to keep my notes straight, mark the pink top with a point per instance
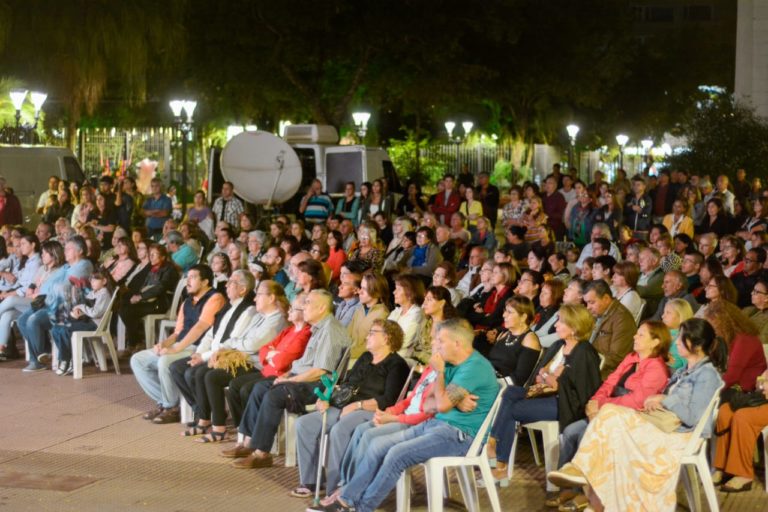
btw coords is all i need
(650, 378)
(400, 407)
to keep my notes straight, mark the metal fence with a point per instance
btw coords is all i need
(123, 148)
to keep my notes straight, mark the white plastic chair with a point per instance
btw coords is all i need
(150, 320)
(103, 335)
(695, 459)
(434, 470)
(550, 436)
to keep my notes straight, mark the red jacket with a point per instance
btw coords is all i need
(10, 213)
(399, 408)
(650, 378)
(444, 209)
(289, 344)
(746, 360)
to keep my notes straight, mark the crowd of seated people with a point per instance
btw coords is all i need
(642, 313)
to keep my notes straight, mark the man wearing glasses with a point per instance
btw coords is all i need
(690, 266)
(745, 280)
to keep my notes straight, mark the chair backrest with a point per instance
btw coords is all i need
(177, 297)
(104, 323)
(478, 444)
(343, 366)
(710, 414)
(640, 311)
(407, 384)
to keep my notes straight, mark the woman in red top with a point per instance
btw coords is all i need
(490, 314)
(641, 374)
(746, 358)
(336, 254)
(275, 358)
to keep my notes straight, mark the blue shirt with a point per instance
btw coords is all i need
(478, 377)
(185, 258)
(162, 203)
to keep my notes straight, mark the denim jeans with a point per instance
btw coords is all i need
(362, 437)
(570, 441)
(154, 375)
(10, 309)
(34, 326)
(62, 336)
(516, 408)
(308, 437)
(388, 456)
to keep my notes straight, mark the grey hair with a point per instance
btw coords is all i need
(460, 329)
(604, 229)
(326, 296)
(258, 235)
(246, 279)
(174, 237)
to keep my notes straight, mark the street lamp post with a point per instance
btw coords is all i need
(185, 126)
(647, 144)
(621, 140)
(456, 141)
(361, 124)
(572, 130)
(18, 96)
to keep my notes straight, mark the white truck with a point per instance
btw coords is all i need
(267, 170)
(27, 169)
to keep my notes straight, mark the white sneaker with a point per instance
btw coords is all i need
(63, 368)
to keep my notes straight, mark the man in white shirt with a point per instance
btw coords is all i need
(53, 188)
(238, 326)
(471, 278)
(599, 230)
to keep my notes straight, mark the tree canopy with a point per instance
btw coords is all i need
(522, 68)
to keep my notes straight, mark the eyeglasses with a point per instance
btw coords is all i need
(295, 309)
(376, 331)
(750, 260)
(315, 251)
(758, 292)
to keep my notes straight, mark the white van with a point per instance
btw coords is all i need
(27, 170)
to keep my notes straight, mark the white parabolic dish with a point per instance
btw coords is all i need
(263, 167)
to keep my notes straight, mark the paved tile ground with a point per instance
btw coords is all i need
(88, 436)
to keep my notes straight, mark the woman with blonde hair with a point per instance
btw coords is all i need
(566, 377)
(535, 221)
(676, 311)
(367, 251)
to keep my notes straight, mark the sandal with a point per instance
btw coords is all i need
(579, 502)
(213, 437)
(196, 430)
(302, 492)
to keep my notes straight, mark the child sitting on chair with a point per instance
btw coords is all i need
(83, 317)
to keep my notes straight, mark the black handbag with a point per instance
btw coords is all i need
(739, 399)
(343, 395)
(38, 303)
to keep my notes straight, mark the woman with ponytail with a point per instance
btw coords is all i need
(631, 459)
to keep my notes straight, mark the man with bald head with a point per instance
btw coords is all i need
(271, 397)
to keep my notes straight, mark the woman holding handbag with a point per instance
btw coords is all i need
(373, 383)
(630, 459)
(563, 382)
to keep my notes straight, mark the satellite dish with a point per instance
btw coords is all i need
(264, 168)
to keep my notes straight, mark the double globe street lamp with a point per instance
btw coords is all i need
(18, 96)
(183, 112)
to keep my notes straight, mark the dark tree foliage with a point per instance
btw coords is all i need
(724, 136)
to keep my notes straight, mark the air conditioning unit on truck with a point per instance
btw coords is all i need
(269, 171)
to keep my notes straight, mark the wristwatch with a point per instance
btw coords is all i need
(360, 405)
